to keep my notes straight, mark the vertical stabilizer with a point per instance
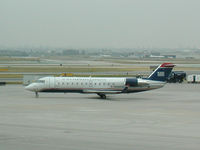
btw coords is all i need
(162, 72)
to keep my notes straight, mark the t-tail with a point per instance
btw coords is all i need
(162, 72)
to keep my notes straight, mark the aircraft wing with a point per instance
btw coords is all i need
(101, 91)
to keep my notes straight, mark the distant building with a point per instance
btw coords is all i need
(169, 56)
(155, 56)
(189, 57)
(155, 53)
(70, 52)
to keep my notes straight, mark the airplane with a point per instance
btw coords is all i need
(102, 85)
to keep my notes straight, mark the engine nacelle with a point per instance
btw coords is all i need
(131, 82)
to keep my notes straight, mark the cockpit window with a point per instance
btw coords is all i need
(40, 81)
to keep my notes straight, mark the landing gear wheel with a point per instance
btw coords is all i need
(103, 96)
(36, 95)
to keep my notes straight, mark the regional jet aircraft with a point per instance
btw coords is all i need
(102, 86)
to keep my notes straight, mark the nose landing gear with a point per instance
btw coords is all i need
(36, 95)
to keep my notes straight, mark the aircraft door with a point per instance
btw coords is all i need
(51, 82)
(47, 83)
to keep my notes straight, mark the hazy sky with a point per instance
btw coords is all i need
(100, 23)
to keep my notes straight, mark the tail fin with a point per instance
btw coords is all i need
(162, 72)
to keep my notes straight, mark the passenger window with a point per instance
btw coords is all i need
(40, 81)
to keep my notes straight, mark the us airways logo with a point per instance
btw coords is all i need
(161, 74)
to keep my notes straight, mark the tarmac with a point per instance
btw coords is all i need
(166, 118)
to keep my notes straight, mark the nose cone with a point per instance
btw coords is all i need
(30, 87)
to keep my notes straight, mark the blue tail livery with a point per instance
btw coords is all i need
(162, 72)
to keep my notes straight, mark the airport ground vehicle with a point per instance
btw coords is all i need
(2, 83)
(176, 76)
(102, 86)
(193, 78)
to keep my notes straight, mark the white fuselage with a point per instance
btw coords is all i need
(92, 85)
(103, 86)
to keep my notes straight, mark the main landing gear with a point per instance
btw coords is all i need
(36, 95)
(103, 96)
